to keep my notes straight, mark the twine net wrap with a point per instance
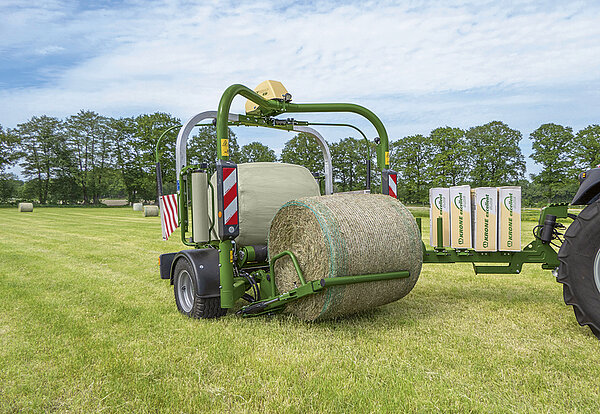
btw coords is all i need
(345, 235)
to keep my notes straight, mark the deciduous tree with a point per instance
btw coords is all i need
(303, 150)
(127, 154)
(88, 136)
(256, 152)
(450, 156)
(203, 147)
(411, 157)
(42, 141)
(349, 159)
(495, 155)
(586, 151)
(8, 149)
(552, 149)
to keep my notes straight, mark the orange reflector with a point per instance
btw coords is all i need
(220, 214)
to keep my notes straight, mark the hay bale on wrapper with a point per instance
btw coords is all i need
(345, 235)
(25, 207)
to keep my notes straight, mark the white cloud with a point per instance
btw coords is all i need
(415, 64)
(49, 50)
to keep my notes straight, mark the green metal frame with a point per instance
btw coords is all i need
(534, 252)
(269, 108)
(244, 120)
(275, 107)
(233, 286)
(275, 302)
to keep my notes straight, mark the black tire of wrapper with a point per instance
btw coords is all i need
(202, 308)
(576, 271)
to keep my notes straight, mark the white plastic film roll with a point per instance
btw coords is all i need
(151, 211)
(200, 223)
(25, 207)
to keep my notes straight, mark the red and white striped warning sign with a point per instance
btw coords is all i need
(230, 201)
(392, 179)
(168, 215)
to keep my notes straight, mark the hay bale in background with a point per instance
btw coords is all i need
(150, 211)
(345, 235)
(114, 203)
(25, 207)
(138, 207)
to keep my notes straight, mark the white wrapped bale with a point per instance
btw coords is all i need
(263, 187)
(25, 207)
(138, 207)
(345, 235)
(150, 211)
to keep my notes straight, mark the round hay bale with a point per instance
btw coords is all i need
(138, 207)
(345, 235)
(150, 211)
(25, 207)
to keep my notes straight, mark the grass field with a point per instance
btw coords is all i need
(86, 325)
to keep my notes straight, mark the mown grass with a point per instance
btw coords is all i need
(86, 325)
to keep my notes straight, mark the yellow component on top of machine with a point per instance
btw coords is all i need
(269, 89)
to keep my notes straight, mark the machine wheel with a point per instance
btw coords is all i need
(579, 269)
(188, 302)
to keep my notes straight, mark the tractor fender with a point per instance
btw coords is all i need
(205, 264)
(589, 187)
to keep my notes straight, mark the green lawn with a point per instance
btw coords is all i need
(86, 325)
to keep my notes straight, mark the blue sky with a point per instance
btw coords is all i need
(417, 64)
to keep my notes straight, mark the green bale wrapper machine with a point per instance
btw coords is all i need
(225, 221)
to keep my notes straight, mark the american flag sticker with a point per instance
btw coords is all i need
(169, 218)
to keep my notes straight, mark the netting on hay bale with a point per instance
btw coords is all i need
(345, 235)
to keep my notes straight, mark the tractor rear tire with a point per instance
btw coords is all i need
(188, 302)
(579, 269)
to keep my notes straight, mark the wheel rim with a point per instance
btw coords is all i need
(185, 291)
(597, 271)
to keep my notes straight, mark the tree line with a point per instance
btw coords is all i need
(87, 157)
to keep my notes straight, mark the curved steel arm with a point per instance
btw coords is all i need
(156, 154)
(274, 106)
(326, 155)
(184, 132)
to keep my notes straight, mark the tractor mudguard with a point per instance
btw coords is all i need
(589, 187)
(165, 261)
(205, 264)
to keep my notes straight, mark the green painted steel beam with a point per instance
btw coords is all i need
(534, 252)
(239, 288)
(349, 280)
(226, 273)
(274, 107)
(294, 262)
(275, 304)
(560, 210)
